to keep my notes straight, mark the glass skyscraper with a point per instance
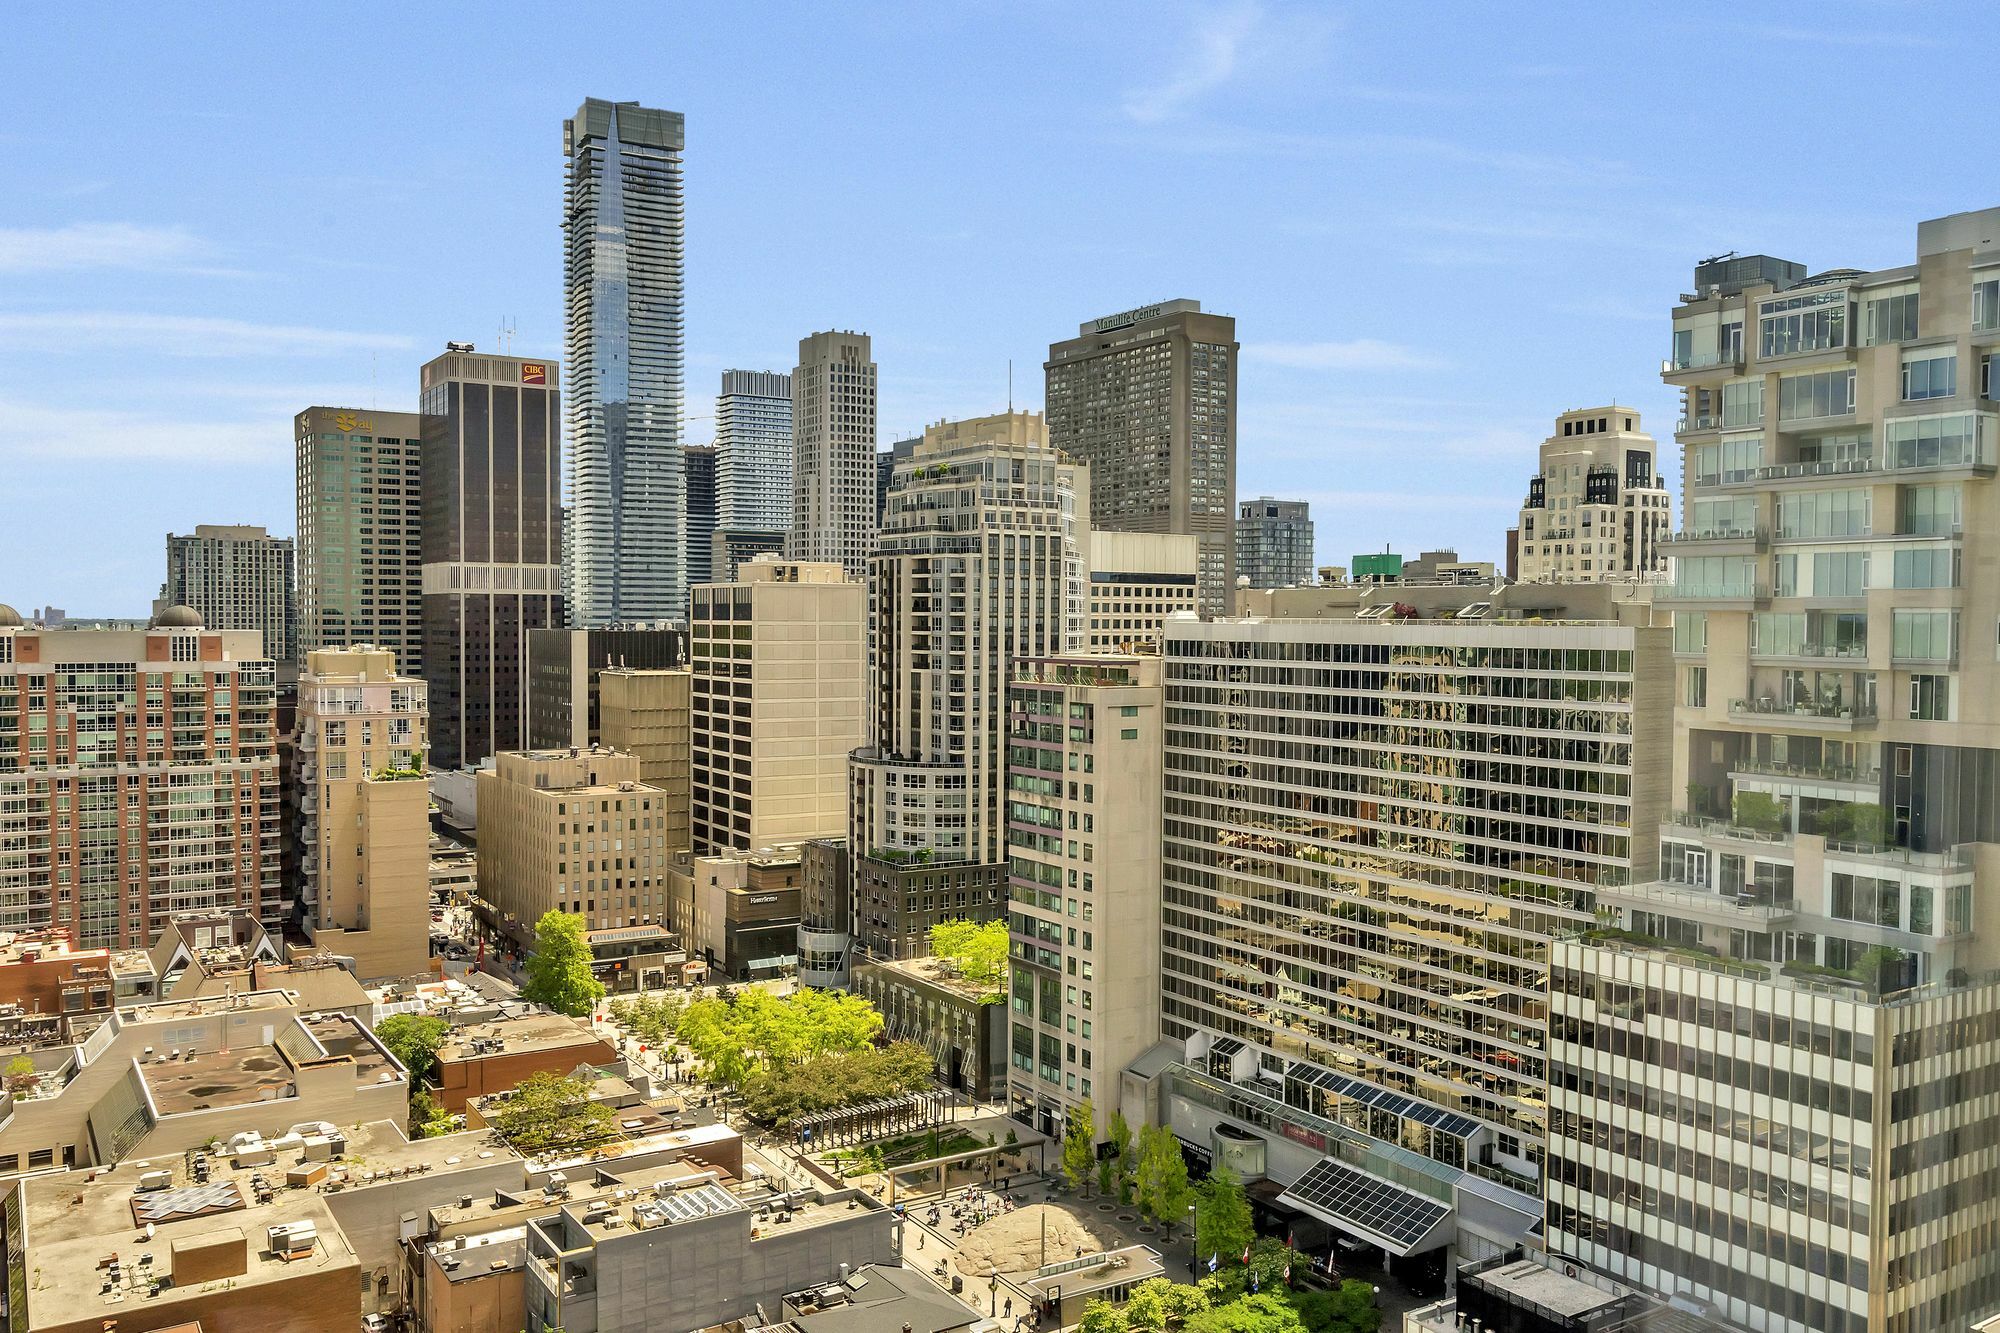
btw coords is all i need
(623, 271)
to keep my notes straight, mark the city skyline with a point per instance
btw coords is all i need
(259, 274)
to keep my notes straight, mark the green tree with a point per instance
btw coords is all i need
(1123, 1148)
(20, 1074)
(1348, 1308)
(1265, 1312)
(979, 950)
(1078, 1149)
(1222, 1217)
(414, 1040)
(1162, 1190)
(1102, 1317)
(427, 1118)
(549, 1113)
(1158, 1305)
(1758, 810)
(559, 974)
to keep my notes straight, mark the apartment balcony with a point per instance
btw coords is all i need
(1818, 716)
(1835, 775)
(1718, 541)
(1697, 425)
(1742, 596)
(1711, 830)
(1702, 367)
(1779, 474)
(1695, 902)
(1856, 653)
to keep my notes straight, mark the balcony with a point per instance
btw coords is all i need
(1816, 652)
(1714, 594)
(1835, 774)
(1741, 911)
(1711, 829)
(1701, 425)
(1698, 365)
(1818, 715)
(1719, 541)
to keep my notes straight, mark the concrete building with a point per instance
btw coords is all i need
(886, 459)
(1373, 829)
(1806, 987)
(138, 778)
(622, 273)
(1147, 397)
(1274, 542)
(1598, 507)
(698, 466)
(496, 1055)
(826, 912)
(571, 831)
(833, 452)
(236, 577)
(734, 548)
(647, 714)
(1138, 580)
(564, 666)
(960, 1022)
(358, 481)
(492, 544)
(1083, 871)
(779, 676)
(743, 912)
(360, 811)
(753, 453)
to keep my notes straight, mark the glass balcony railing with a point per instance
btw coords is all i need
(1700, 360)
(1820, 708)
(1713, 592)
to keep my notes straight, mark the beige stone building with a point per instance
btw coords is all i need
(743, 912)
(779, 674)
(360, 810)
(646, 713)
(572, 831)
(1085, 879)
(833, 451)
(1138, 580)
(1598, 508)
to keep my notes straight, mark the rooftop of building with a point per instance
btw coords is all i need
(1488, 601)
(942, 973)
(515, 1034)
(484, 1254)
(179, 1082)
(876, 1297)
(666, 1197)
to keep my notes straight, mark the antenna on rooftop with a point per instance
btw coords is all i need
(506, 334)
(1010, 386)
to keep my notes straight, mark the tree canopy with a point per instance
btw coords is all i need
(414, 1040)
(549, 1113)
(778, 1094)
(559, 974)
(1222, 1220)
(1265, 1312)
(1160, 1180)
(1079, 1144)
(980, 951)
(761, 1031)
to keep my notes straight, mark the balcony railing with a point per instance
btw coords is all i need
(1722, 828)
(1825, 467)
(1845, 773)
(1750, 534)
(1803, 708)
(1712, 592)
(1700, 361)
(1690, 425)
(1844, 651)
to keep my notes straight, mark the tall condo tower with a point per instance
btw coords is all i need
(753, 450)
(833, 452)
(1147, 397)
(622, 268)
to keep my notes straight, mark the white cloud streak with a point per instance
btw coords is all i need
(98, 245)
(31, 432)
(1217, 42)
(1353, 354)
(74, 331)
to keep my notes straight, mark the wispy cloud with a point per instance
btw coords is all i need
(100, 245)
(1216, 47)
(35, 431)
(1353, 354)
(181, 335)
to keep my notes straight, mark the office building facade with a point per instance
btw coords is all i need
(1274, 542)
(1147, 397)
(623, 274)
(645, 713)
(833, 452)
(753, 451)
(358, 479)
(138, 778)
(1083, 832)
(236, 577)
(492, 544)
(360, 811)
(564, 667)
(1137, 581)
(698, 469)
(777, 700)
(1597, 510)
(1804, 992)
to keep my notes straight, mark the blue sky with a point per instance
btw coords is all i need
(1437, 225)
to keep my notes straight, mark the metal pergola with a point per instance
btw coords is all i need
(872, 1120)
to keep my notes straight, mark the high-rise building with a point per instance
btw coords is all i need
(1147, 397)
(1598, 508)
(1274, 542)
(564, 666)
(645, 713)
(1373, 829)
(1138, 580)
(492, 544)
(753, 451)
(1772, 1092)
(236, 577)
(358, 478)
(138, 778)
(538, 809)
(622, 269)
(780, 675)
(698, 470)
(1084, 872)
(733, 548)
(886, 459)
(360, 811)
(833, 452)
(980, 563)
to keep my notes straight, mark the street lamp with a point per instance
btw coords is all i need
(1194, 1239)
(993, 1294)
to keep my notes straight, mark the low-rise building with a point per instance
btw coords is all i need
(962, 1023)
(496, 1055)
(744, 912)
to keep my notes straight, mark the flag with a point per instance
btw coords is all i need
(1286, 1276)
(1253, 1281)
(1211, 1262)
(1246, 1254)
